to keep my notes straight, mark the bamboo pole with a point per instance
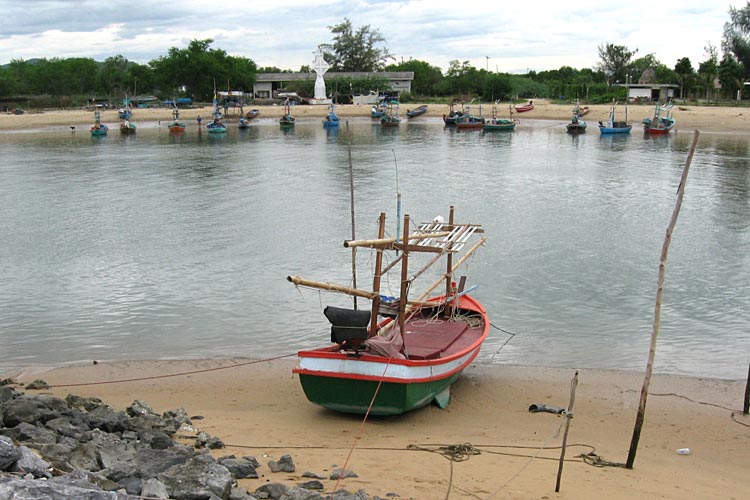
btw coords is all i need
(404, 279)
(458, 264)
(449, 265)
(568, 418)
(376, 279)
(657, 308)
(384, 242)
(351, 192)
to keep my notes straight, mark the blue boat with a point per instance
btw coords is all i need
(331, 119)
(612, 126)
(217, 126)
(98, 129)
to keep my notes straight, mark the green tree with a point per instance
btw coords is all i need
(197, 68)
(731, 76)
(497, 86)
(685, 72)
(426, 76)
(113, 74)
(708, 70)
(736, 39)
(355, 50)
(614, 61)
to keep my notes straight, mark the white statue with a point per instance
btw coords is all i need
(320, 66)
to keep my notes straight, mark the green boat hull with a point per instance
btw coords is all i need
(354, 396)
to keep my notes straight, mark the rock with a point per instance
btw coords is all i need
(132, 484)
(301, 494)
(240, 468)
(29, 433)
(26, 410)
(342, 474)
(150, 463)
(312, 485)
(240, 494)
(37, 385)
(30, 463)
(58, 455)
(205, 440)
(8, 453)
(6, 393)
(153, 488)
(85, 457)
(160, 441)
(345, 495)
(312, 475)
(285, 464)
(140, 408)
(59, 488)
(106, 419)
(274, 491)
(81, 403)
(73, 426)
(197, 479)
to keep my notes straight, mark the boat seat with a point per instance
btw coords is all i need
(347, 325)
(429, 340)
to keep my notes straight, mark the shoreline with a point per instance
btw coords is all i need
(259, 409)
(705, 118)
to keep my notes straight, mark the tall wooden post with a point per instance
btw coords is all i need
(404, 276)
(376, 278)
(351, 195)
(657, 307)
(746, 407)
(568, 416)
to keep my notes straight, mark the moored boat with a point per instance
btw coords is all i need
(467, 121)
(98, 129)
(217, 126)
(377, 111)
(453, 115)
(525, 107)
(576, 125)
(127, 127)
(411, 357)
(413, 113)
(496, 124)
(176, 126)
(253, 113)
(612, 126)
(287, 120)
(331, 119)
(243, 123)
(391, 118)
(660, 124)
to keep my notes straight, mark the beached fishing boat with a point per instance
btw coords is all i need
(612, 126)
(98, 129)
(331, 119)
(252, 114)
(287, 120)
(453, 115)
(525, 107)
(377, 112)
(176, 125)
(467, 121)
(583, 110)
(127, 127)
(413, 113)
(576, 125)
(404, 353)
(391, 118)
(660, 124)
(496, 124)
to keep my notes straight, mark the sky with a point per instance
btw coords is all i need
(504, 36)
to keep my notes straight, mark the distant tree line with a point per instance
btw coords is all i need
(196, 70)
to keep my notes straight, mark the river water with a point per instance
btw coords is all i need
(155, 246)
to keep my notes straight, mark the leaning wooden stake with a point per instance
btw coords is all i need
(568, 417)
(657, 307)
(351, 194)
(746, 406)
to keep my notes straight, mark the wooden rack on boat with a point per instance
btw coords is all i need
(441, 238)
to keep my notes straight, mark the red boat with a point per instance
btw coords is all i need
(525, 107)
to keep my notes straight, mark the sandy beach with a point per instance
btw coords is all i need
(259, 409)
(704, 118)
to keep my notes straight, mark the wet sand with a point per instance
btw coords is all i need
(260, 410)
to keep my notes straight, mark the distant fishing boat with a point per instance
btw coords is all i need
(453, 115)
(496, 124)
(176, 125)
(525, 107)
(252, 114)
(127, 127)
(413, 113)
(243, 123)
(391, 118)
(377, 111)
(287, 120)
(467, 121)
(576, 125)
(98, 129)
(217, 126)
(331, 119)
(612, 126)
(660, 124)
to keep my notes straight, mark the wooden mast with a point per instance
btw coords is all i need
(449, 267)
(376, 279)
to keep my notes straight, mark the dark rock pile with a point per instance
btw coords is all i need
(52, 448)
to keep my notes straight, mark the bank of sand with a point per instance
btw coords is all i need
(260, 410)
(704, 118)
